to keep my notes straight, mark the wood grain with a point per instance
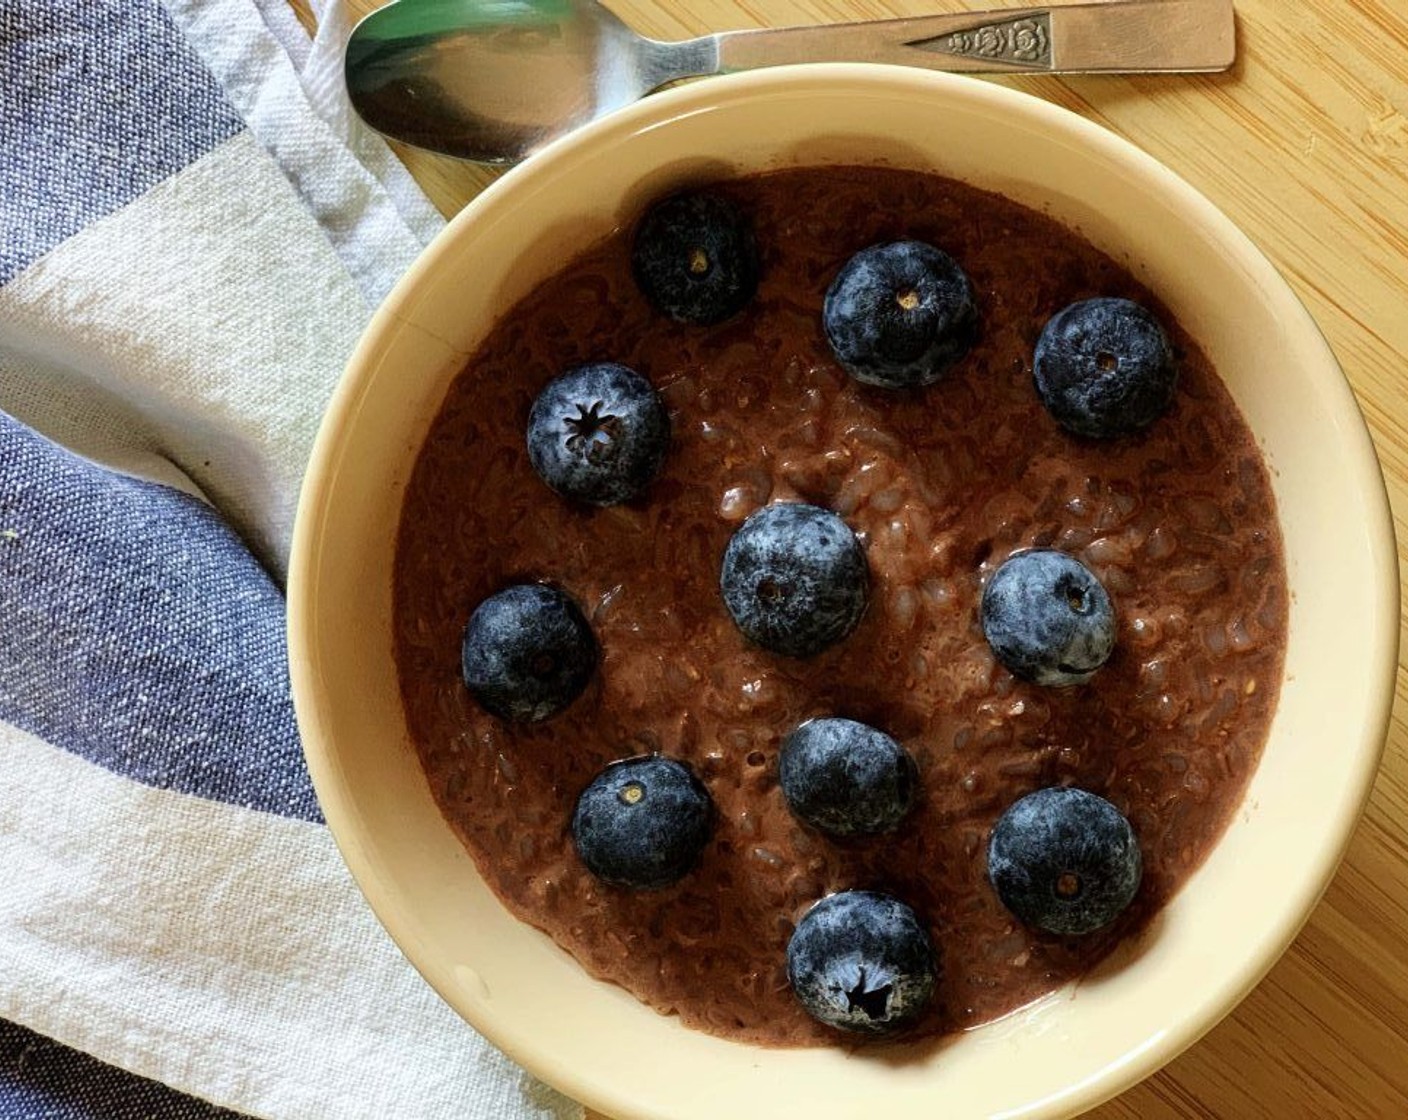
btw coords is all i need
(1305, 146)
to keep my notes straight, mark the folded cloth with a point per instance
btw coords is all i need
(192, 233)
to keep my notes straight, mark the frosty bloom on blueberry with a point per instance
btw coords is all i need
(795, 579)
(694, 258)
(845, 777)
(898, 315)
(642, 822)
(598, 433)
(1047, 618)
(1065, 861)
(1104, 368)
(861, 961)
(527, 652)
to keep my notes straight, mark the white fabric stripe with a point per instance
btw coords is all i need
(225, 953)
(375, 235)
(216, 312)
(71, 411)
(283, 24)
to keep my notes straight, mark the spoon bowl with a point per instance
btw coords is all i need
(491, 80)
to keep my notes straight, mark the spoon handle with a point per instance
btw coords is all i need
(1126, 36)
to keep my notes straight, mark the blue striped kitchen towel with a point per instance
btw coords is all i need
(192, 233)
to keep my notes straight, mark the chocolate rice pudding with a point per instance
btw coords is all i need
(941, 484)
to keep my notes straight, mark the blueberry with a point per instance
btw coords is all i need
(1104, 368)
(1064, 860)
(900, 314)
(527, 652)
(845, 777)
(642, 822)
(861, 961)
(794, 578)
(598, 433)
(1047, 618)
(694, 257)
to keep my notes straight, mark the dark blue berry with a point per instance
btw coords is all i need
(1104, 368)
(598, 433)
(900, 314)
(1047, 618)
(794, 578)
(1064, 860)
(642, 822)
(528, 652)
(861, 961)
(845, 777)
(694, 257)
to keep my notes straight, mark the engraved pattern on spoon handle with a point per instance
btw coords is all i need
(1123, 36)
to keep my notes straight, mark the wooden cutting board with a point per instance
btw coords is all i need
(1305, 145)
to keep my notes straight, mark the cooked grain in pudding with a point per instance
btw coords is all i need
(941, 484)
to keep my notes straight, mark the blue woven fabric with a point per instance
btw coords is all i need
(102, 100)
(160, 653)
(40, 1080)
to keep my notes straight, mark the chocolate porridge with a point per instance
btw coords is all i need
(941, 484)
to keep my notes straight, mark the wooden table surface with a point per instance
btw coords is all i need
(1305, 145)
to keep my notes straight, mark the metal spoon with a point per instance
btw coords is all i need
(493, 80)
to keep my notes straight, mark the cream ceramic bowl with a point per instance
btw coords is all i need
(1219, 935)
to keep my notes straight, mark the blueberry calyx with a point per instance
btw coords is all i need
(1064, 860)
(861, 961)
(598, 433)
(527, 652)
(846, 778)
(642, 822)
(794, 579)
(1047, 618)
(694, 258)
(900, 314)
(1104, 368)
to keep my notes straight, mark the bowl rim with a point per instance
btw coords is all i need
(1198, 1015)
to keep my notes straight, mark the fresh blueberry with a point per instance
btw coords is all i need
(598, 433)
(1064, 860)
(528, 652)
(861, 961)
(694, 257)
(794, 578)
(900, 314)
(845, 777)
(1047, 618)
(1104, 368)
(642, 822)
